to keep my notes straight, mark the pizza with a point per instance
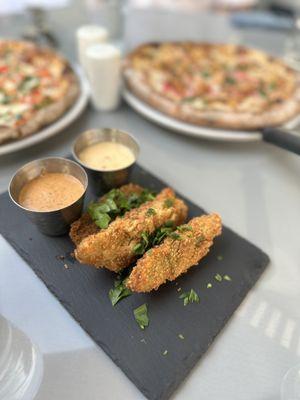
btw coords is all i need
(37, 86)
(219, 85)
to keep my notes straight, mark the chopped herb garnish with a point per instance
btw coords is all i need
(150, 212)
(168, 203)
(230, 80)
(199, 240)
(226, 278)
(181, 336)
(116, 203)
(119, 292)
(4, 98)
(189, 297)
(189, 99)
(209, 285)
(218, 277)
(262, 92)
(29, 83)
(219, 258)
(165, 353)
(141, 247)
(184, 228)
(205, 74)
(44, 103)
(141, 316)
(170, 224)
(174, 235)
(149, 240)
(102, 220)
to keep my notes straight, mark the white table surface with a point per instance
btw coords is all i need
(255, 187)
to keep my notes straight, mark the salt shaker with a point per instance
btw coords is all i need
(103, 63)
(88, 35)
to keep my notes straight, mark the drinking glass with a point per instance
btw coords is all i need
(21, 364)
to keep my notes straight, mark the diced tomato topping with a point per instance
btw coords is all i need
(33, 98)
(44, 73)
(240, 75)
(3, 69)
(168, 87)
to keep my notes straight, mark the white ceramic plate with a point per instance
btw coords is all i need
(56, 126)
(194, 130)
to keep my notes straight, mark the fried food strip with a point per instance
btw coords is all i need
(175, 256)
(85, 225)
(113, 247)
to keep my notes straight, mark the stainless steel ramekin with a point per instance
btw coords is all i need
(103, 180)
(52, 223)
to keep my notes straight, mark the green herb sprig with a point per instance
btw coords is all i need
(149, 240)
(119, 292)
(115, 204)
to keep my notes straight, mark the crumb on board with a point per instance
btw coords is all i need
(66, 266)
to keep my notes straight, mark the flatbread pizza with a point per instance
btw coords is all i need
(37, 86)
(219, 85)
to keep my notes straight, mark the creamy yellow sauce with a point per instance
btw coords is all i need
(107, 156)
(50, 191)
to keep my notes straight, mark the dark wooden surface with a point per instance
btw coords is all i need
(84, 290)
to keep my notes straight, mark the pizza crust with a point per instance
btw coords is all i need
(274, 116)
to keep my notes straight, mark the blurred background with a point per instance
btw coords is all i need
(221, 20)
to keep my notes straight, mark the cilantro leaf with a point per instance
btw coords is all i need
(141, 316)
(174, 235)
(199, 240)
(189, 297)
(168, 203)
(116, 203)
(150, 212)
(218, 278)
(119, 292)
(184, 228)
(102, 221)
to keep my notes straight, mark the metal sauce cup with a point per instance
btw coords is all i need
(52, 223)
(103, 180)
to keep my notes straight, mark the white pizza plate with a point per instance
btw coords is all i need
(56, 126)
(194, 130)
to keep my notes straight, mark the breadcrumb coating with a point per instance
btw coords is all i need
(85, 226)
(175, 256)
(112, 247)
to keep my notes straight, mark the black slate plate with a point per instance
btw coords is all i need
(84, 290)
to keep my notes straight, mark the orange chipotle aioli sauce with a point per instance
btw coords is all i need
(50, 191)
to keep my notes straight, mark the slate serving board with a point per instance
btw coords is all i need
(83, 291)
